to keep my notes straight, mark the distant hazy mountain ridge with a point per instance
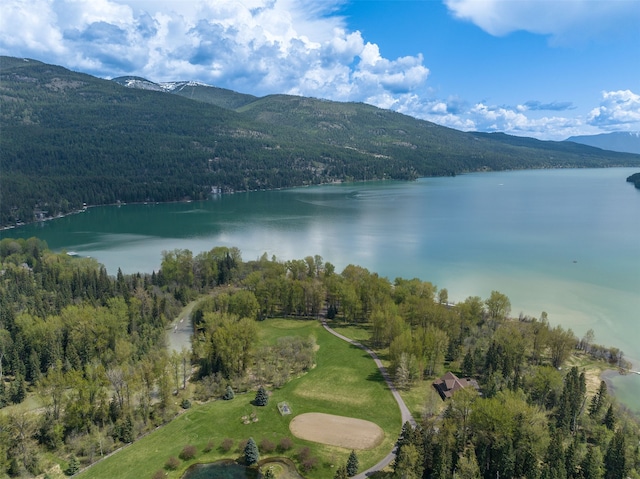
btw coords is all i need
(70, 139)
(623, 141)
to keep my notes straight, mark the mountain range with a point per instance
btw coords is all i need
(623, 141)
(70, 139)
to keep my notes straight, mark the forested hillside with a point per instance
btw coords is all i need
(84, 355)
(70, 139)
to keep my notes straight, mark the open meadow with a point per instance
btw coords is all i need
(420, 397)
(344, 382)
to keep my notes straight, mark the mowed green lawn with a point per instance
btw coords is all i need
(345, 382)
(421, 395)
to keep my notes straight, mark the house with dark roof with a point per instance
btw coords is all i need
(450, 383)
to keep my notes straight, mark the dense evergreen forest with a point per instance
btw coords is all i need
(70, 139)
(84, 354)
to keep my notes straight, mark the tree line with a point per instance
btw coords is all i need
(90, 347)
(533, 418)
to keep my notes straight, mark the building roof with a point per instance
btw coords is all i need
(450, 383)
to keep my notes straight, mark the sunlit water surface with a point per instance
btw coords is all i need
(562, 241)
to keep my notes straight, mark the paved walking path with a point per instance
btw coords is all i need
(404, 410)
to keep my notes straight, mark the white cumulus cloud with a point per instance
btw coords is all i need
(618, 109)
(564, 20)
(21, 30)
(304, 48)
(256, 46)
(516, 120)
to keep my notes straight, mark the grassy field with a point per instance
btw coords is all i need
(344, 382)
(359, 332)
(421, 393)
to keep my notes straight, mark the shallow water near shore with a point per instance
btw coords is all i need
(625, 389)
(562, 241)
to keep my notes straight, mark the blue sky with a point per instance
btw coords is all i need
(543, 68)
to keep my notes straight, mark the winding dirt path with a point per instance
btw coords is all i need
(179, 332)
(404, 410)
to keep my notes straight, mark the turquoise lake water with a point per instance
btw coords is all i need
(562, 241)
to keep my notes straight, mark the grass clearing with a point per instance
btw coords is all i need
(421, 396)
(358, 332)
(345, 382)
(32, 403)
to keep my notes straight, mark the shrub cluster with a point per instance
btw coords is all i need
(227, 444)
(267, 446)
(188, 452)
(172, 463)
(285, 444)
(307, 461)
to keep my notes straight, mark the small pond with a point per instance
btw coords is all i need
(229, 469)
(221, 470)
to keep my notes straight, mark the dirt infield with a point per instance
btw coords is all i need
(337, 430)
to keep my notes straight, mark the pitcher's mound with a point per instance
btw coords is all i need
(340, 431)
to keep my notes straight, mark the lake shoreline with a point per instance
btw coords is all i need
(554, 240)
(332, 182)
(596, 371)
(630, 403)
(169, 202)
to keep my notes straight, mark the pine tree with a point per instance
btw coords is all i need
(251, 453)
(521, 446)
(614, 460)
(262, 398)
(505, 457)
(408, 463)
(18, 389)
(591, 465)
(572, 399)
(554, 459)
(468, 366)
(74, 466)
(341, 473)
(352, 464)
(406, 434)
(229, 394)
(598, 400)
(571, 461)
(467, 467)
(124, 429)
(610, 418)
(492, 359)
